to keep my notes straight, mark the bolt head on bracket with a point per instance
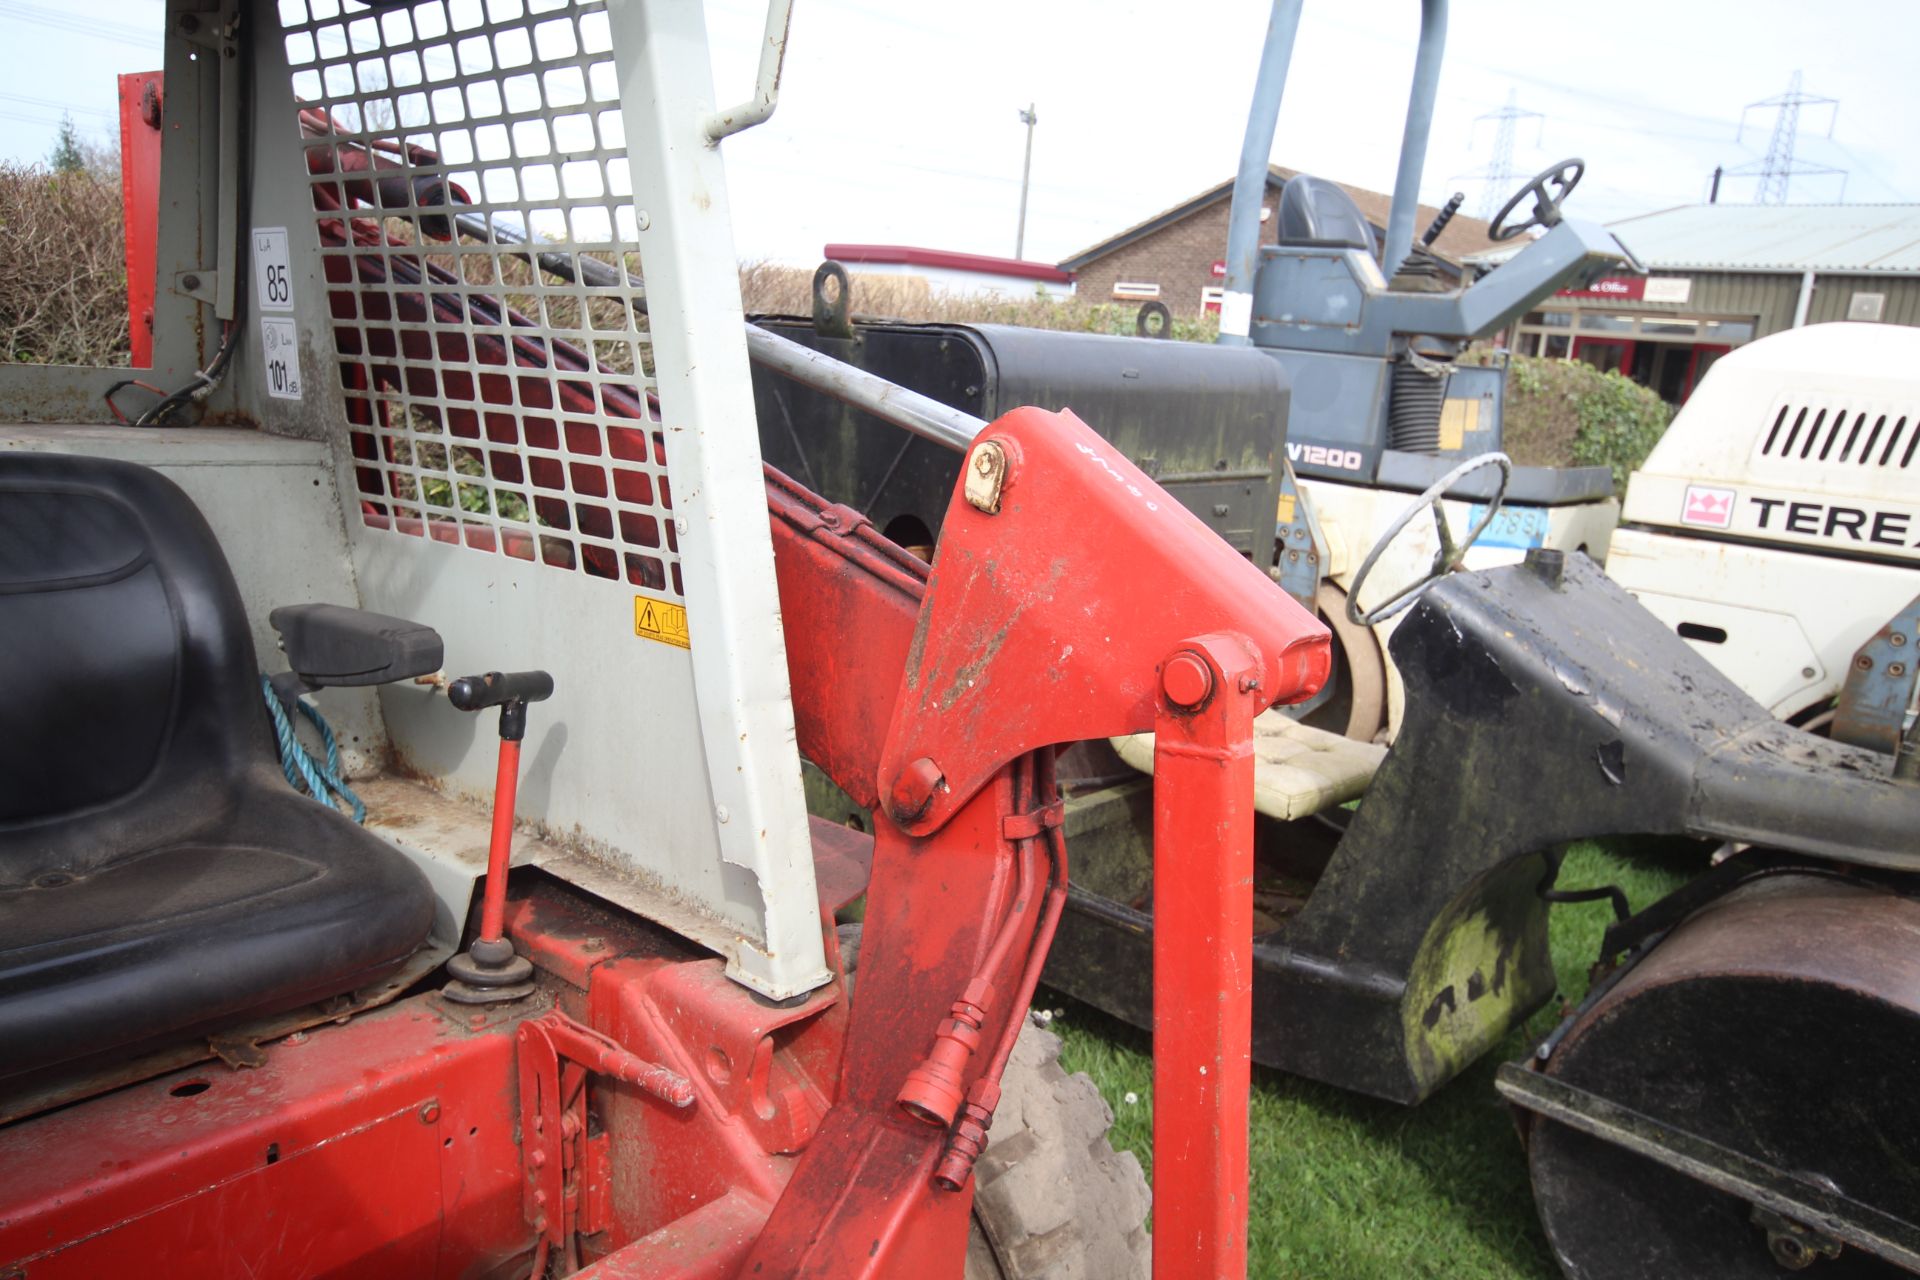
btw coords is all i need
(1187, 680)
(986, 476)
(913, 790)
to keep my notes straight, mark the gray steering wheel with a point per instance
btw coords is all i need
(1563, 177)
(1450, 554)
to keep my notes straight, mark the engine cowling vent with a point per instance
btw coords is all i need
(1836, 433)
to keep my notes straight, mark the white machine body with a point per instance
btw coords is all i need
(1776, 526)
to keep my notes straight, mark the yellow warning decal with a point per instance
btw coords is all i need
(661, 620)
(1286, 508)
(1457, 418)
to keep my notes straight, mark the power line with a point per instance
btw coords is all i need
(1861, 163)
(21, 117)
(1777, 168)
(51, 105)
(75, 24)
(1498, 175)
(1553, 84)
(1613, 126)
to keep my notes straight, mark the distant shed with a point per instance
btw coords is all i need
(1720, 275)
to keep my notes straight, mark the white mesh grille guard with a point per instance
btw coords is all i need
(548, 465)
(495, 403)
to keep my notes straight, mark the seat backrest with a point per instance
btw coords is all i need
(133, 705)
(1314, 211)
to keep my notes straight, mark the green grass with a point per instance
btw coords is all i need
(1347, 1188)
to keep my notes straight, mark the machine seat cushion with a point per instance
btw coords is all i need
(158, 878)
(287, 904)
(1297, 770)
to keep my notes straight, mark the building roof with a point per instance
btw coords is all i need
(979, 263)
(1864, 238)
(1463, 235)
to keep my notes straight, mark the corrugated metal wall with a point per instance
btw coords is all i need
(1735, 295)
(1831, 295)
(1772, 298)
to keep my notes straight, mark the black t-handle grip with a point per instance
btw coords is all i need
(510, 691)
(497, 688)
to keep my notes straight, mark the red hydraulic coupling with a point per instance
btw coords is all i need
(932, 1092)
(969, 1136)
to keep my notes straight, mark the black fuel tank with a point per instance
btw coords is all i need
(1207, 422)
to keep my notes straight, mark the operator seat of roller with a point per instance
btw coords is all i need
(1315, 212)
(159, 879)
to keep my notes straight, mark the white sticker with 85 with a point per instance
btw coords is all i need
(272, 273)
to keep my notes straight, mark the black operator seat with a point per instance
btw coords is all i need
(158, 877)
(1317, 213)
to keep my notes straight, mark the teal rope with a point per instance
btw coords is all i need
(320, 780)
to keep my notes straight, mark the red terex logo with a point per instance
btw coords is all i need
(1708, 506)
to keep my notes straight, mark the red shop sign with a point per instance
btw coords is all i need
(1634, 287)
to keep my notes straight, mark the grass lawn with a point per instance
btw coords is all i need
(1347, 1187)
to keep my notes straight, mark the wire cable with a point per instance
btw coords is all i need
(205, 380)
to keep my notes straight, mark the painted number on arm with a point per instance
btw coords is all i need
(280, 356)
(273, 278)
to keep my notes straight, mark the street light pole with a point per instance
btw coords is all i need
(1030, 119)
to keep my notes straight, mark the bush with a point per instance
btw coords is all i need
(1562, 413)
(63, 291)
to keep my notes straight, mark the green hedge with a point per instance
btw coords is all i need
(1563, 413)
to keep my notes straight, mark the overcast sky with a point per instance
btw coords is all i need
(899, 123)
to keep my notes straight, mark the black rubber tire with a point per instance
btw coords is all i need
(1052, 1199)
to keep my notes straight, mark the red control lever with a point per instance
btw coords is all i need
(489, 970)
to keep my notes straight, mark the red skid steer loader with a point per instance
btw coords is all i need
(542, 977)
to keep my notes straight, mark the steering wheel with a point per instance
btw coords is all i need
(1564, 177)
(1450, 554)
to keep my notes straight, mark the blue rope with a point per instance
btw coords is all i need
(320, 780)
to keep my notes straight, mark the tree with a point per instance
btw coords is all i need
(69, 156)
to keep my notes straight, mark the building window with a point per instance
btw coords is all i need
(1618, 323)
(1866, 306)
(1662, 350)
(1134, 290)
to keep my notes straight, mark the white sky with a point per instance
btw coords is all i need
(899, 123)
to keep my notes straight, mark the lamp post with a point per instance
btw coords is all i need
(1030, 119)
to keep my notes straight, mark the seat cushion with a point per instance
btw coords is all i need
(1297, 770)
(285, 903)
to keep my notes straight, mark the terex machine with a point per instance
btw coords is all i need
(1776, 526)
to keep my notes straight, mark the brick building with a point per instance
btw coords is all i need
(1170, 256)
